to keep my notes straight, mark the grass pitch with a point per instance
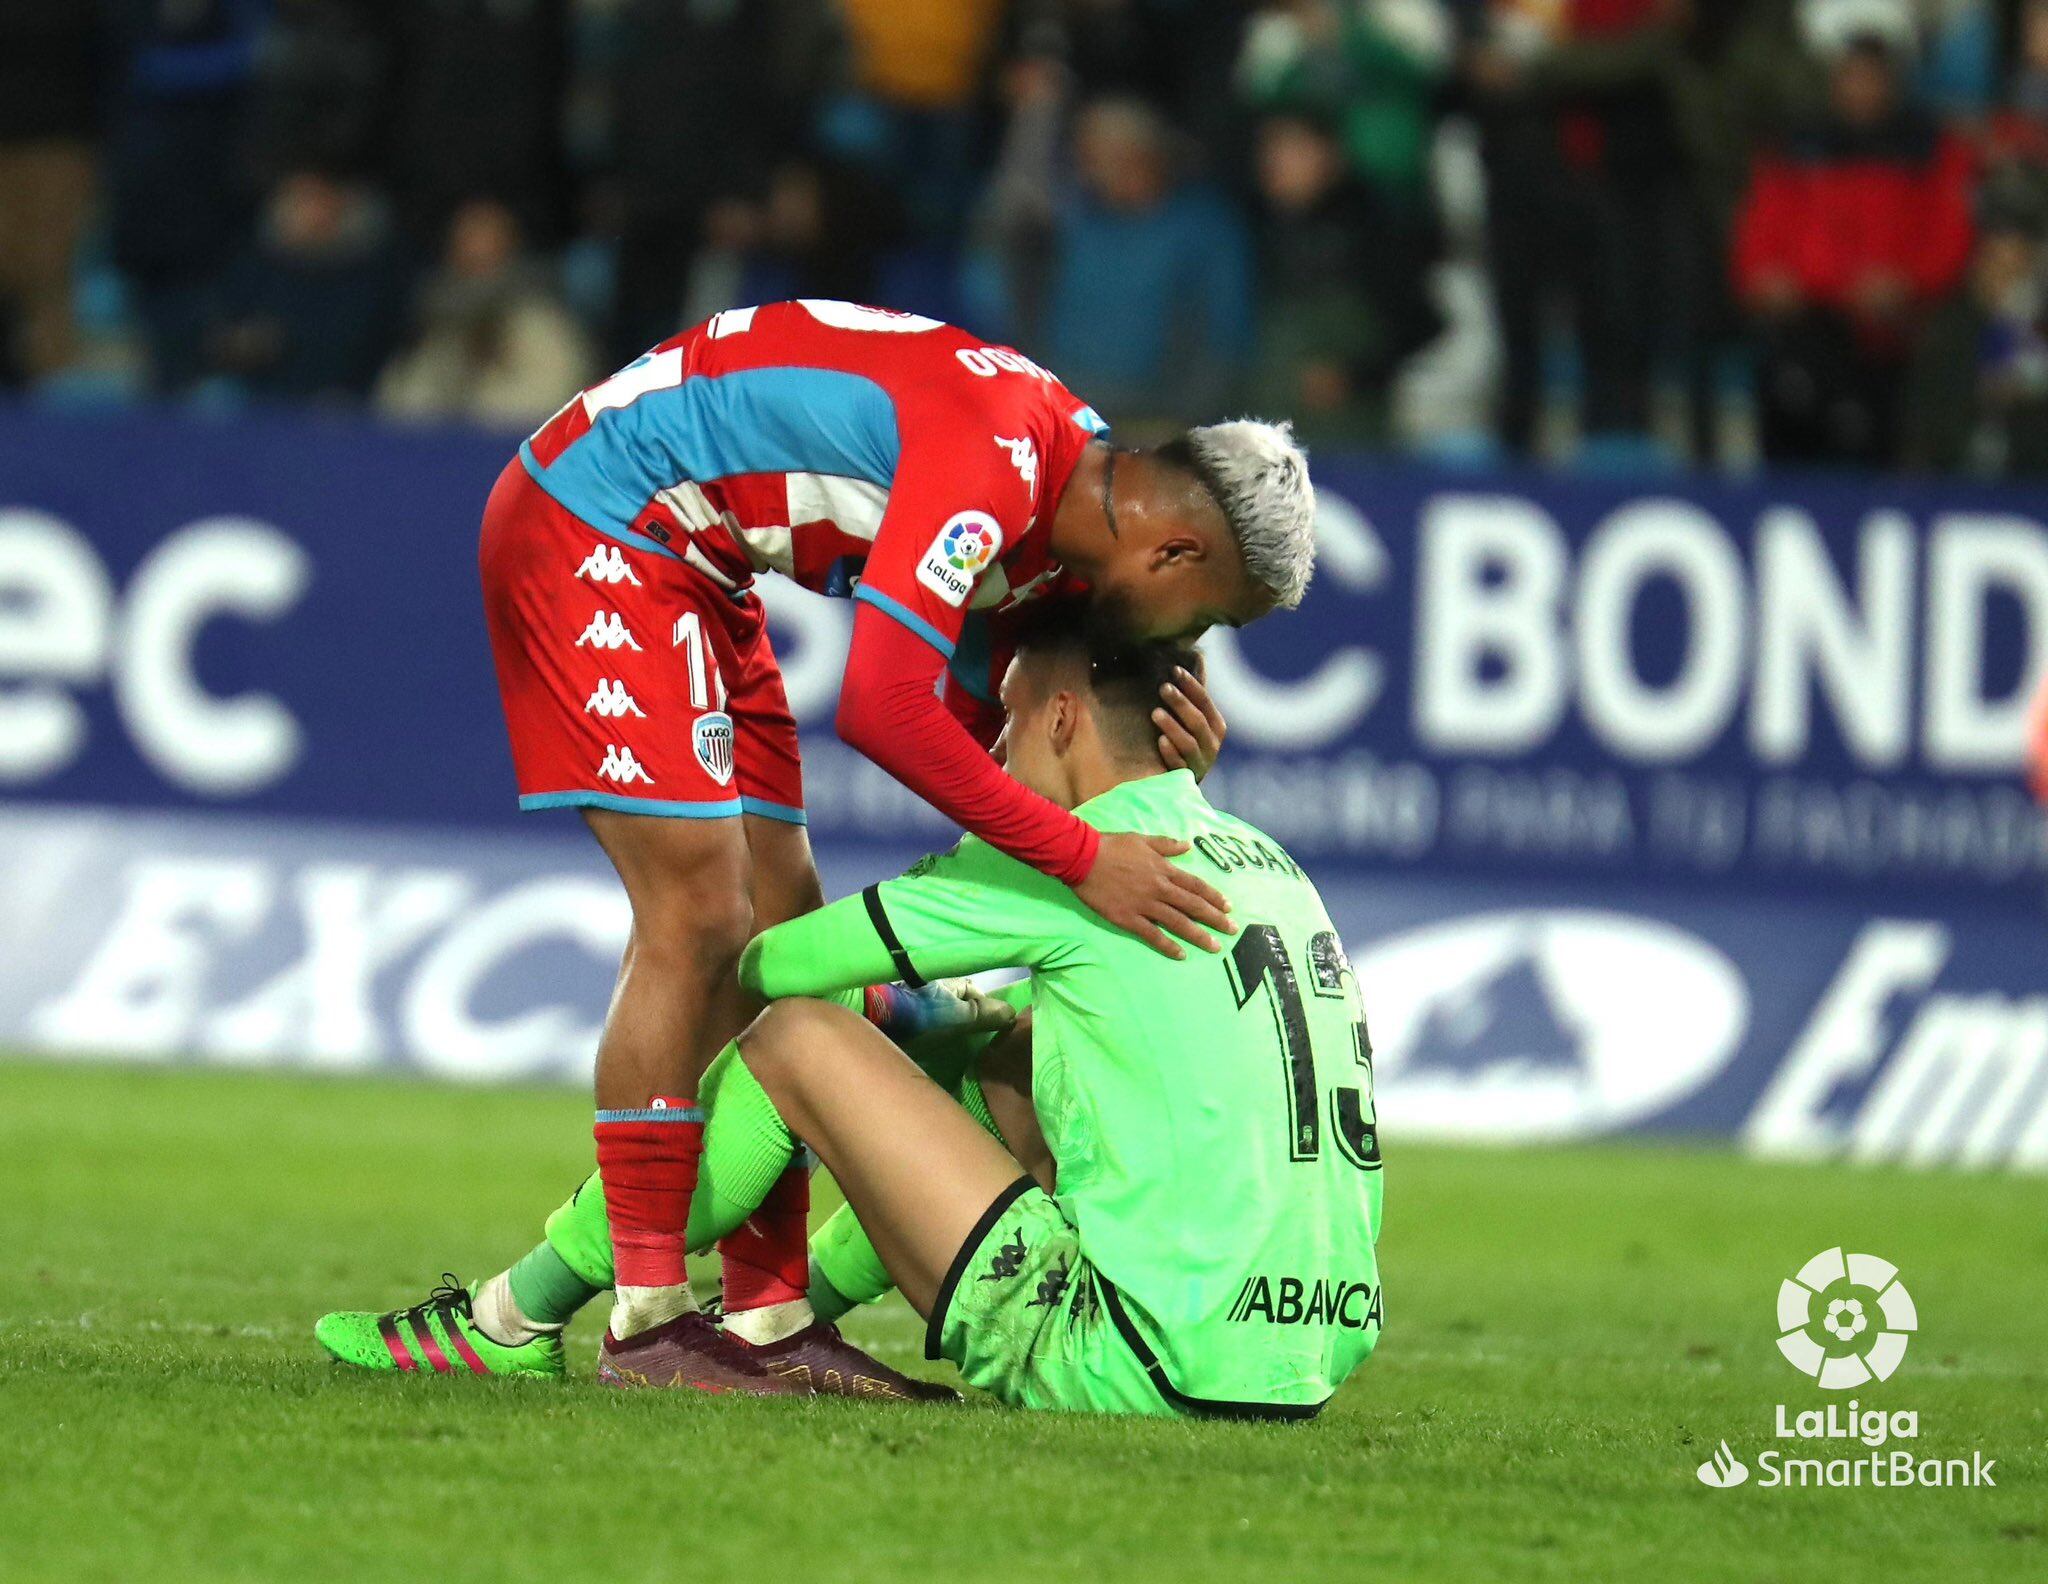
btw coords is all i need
(1569, 1333)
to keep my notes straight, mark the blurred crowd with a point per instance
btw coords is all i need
(1625, 232)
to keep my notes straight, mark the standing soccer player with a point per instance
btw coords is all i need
(865, 453)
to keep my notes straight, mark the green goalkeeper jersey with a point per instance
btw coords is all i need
(1212, 1119)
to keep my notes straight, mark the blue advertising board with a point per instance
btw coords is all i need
(1748, 751)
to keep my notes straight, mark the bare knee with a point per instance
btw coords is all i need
(692, 931)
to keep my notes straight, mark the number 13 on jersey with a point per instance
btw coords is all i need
(1259, 960)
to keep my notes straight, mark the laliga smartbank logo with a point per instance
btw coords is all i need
(1844, 1321)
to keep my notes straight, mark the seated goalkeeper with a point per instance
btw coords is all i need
(1203, 1237)
(1207, 1244)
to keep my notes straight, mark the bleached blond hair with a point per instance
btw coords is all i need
(1258, 475)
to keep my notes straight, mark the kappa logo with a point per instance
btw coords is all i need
(605, 564)
(611, 700)
(963, 550)
(711, 737)
(1024, 458)
(1052, 1287)
(1007, 1260)
(620, 766)
(607, 631)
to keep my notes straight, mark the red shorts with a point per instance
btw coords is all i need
(631, 680)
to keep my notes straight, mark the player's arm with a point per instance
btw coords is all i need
(971, 910)
(913, 603)
(957, 505)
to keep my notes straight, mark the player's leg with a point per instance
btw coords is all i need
(533, 1300)
(611, 655)
(764, 1267)
(986, 1256)
(512, 1323)
(676, 1000)
(845, 1269)
(857, 1100)
(764, 1263)
(749, 1151)
(572, 1263)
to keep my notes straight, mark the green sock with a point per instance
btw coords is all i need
(579, 1235)
(547, 1292)
(845, 1269)
(747, 1146)
(571, 1264)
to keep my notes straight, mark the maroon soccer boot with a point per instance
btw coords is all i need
(690, 1353)
(820, 1361)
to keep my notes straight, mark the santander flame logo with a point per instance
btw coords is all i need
(1724, 1469)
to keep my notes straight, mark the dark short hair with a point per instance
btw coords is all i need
(1122, 675)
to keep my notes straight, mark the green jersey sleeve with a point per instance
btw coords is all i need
(955, 913)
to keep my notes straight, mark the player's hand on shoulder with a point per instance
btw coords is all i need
(1135, 887)
(1191, 727)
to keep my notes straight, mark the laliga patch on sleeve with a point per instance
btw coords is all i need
(964, 549)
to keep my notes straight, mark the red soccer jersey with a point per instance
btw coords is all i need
(837, 445)
(863, 453)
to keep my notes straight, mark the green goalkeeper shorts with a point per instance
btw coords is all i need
(1021, 1314)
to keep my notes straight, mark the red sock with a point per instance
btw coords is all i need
(768, 1257)
(649, 1161)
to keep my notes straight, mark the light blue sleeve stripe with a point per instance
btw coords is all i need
(619, 804)
(774, 811)
(910, 618)
(713, 426)
(625, 536)
(655, 1114)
